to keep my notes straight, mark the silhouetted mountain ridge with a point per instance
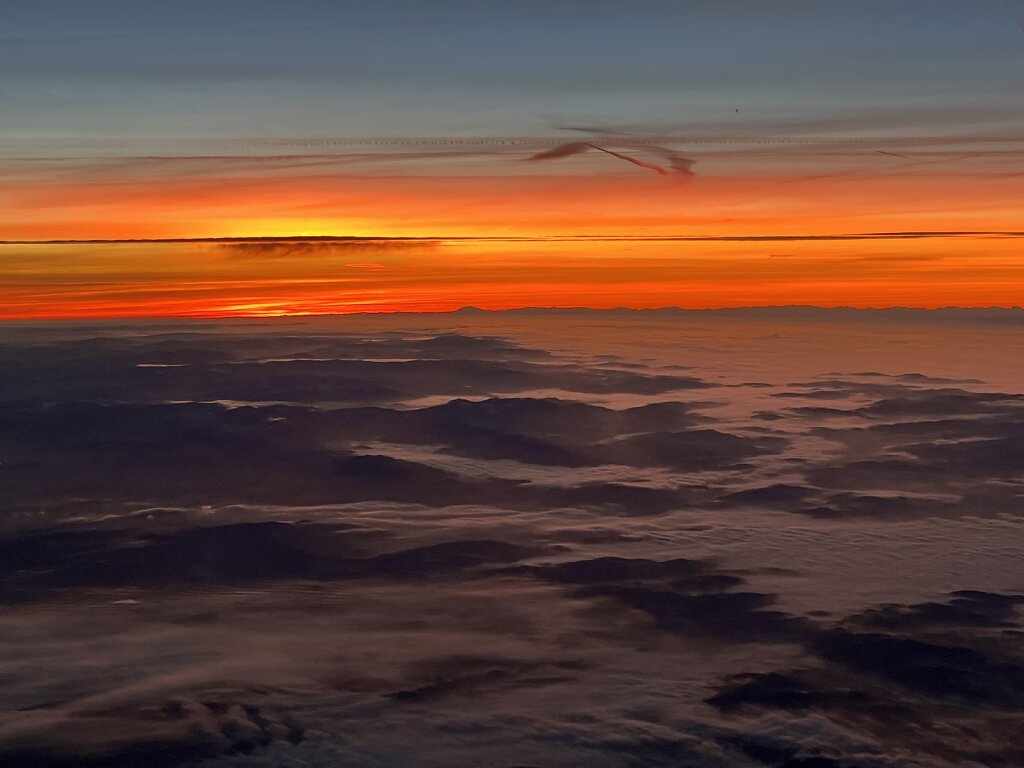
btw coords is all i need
(985, 315)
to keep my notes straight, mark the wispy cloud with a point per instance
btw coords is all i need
(321, 248)
(311, 243)
(677, 164)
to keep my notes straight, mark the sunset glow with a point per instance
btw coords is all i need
(503, 190)
(548, 383)
(437, 243)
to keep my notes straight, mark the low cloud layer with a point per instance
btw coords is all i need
(457, 546)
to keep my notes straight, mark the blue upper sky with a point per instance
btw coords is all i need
(254, 68)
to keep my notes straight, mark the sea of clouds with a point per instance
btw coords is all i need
(466, 540)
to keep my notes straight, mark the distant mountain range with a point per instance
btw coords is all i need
(980, 315)
(993, 316)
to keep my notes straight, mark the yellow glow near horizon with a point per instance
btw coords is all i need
(441, 242)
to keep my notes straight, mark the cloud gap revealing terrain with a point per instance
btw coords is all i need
(788, 539)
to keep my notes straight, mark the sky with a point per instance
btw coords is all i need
(566, 153)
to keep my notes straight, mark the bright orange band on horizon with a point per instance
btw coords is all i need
(609, 200)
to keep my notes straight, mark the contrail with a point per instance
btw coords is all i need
(681, 165)
(677, 163)
(650, 166)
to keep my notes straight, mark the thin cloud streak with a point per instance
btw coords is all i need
(576, 148)
(355, 241)
(318, 248)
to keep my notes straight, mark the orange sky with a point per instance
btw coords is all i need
(499, 130)
(586, 230)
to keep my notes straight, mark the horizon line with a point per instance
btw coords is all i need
(472, 310)
(894, 235)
